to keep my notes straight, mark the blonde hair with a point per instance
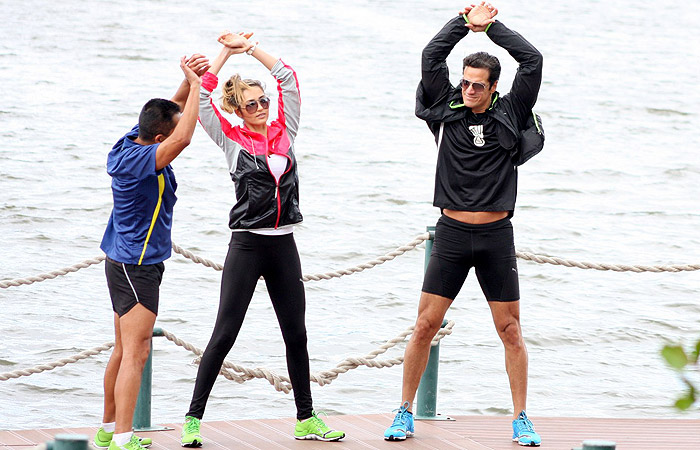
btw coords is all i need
(232, 92)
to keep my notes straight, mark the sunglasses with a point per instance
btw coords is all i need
(478, 87)
(252, 106)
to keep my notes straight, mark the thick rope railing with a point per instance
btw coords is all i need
(322, 276)
(283, 384)
(60, 363)
(53, 274)
(540, 259)
(242, 374)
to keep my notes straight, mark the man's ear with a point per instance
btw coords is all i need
(160, 138)
(493, 87)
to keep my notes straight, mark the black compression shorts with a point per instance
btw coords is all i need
(458, 247)
(130, 284)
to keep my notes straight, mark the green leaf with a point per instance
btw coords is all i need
(675, 356)
(696, 353)
(686, 402)
(689, 398)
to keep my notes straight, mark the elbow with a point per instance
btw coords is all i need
(533, 63)
(537, 58)
(184, 142)
(179, 143)
(426, 55)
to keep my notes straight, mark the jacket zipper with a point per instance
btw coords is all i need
(277, 186)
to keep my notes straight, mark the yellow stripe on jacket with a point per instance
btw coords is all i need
(161, 188)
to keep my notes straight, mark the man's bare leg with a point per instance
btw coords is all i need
(111, 374)
(506, 318)
(431, 312)
(136, 332)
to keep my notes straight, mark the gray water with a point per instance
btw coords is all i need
(617, 182)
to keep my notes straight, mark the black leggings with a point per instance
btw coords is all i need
(276, 259)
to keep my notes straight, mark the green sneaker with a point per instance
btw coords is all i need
(190, 433)
(133, 444)
(102, 439)
(315, 428)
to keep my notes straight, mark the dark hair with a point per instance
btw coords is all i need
(157, 118)
(482, 60)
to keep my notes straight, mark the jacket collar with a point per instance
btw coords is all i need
(458, 103)
(273, 131)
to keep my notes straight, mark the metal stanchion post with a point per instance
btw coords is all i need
(142, 413)
(70, 442)
(597, 445)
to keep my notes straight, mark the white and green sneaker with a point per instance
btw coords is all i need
(315, 428)
(102, 439)
(133, 444)
(190, 432)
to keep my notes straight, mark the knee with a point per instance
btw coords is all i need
(221, 343)
(295, 336)
(425, 330)
(511, 335)
(117, 351)
(138, 353)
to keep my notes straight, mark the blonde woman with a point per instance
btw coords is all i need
(263, 168)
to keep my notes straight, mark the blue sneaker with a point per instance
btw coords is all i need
(524, 433)
(402, 426)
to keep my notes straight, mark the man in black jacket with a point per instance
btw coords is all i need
(477, 133)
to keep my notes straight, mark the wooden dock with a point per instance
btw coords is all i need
(366, 431)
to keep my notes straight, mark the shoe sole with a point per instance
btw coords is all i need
(107, 446)
(531, 444)
(313, 437)
(193, 444)
(397, 438)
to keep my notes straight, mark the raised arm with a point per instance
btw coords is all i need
(435, 76)
(211, 119)
(181, 136)
(435, 87)
(289, 104)
(526, 84)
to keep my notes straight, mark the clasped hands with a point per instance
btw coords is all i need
(480, 16)
(236, 42)
(194, 67)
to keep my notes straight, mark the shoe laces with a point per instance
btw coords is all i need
(191, 425)
(318, 422)
(401, 417)
(134, 443)
(524, 424)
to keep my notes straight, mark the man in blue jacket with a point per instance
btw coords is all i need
(137, 241)
(478, 137)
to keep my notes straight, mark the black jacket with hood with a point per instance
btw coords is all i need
(458, 185)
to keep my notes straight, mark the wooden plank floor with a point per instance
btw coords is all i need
(366, 431)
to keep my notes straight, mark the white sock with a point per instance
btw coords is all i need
(122, 438)
(109, 427)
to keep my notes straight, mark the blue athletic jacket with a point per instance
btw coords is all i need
(138, 231)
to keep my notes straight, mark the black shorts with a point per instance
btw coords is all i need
(130, 284)
(458, 247)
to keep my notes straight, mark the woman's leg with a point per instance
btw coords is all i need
(283, 278)
(238, 280)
